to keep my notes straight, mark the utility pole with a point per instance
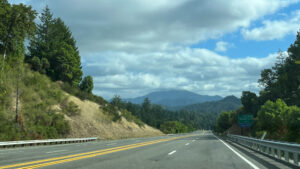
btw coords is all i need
(2, 69)
(17, 96)
(18, 93)
(4, 56)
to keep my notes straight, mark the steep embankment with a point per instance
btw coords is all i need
(46, 111)
(93, 121)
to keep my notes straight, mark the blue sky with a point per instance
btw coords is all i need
(135, 47)
(242, 48)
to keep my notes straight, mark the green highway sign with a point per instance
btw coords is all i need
(245, 120)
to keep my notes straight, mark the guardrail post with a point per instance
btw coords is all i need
(296, 158)
(278, 153)
(272, 151)
(286, 156)
(261, 148)
(268, 150)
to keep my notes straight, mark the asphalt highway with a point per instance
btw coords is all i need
(196, 150)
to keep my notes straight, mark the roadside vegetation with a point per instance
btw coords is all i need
(276, 110)
(34, 116)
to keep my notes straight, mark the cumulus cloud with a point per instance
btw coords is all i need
(275, 29)
(199, 70)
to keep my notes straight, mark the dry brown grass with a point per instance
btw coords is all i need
(93, 122)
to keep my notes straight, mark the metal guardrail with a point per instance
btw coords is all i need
(45, 142)
(288, 152)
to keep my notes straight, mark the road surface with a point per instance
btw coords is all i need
(187, 151)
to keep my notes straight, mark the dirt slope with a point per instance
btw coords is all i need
(93, 122)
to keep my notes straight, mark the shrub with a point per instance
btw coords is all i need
(70, 108)
(131, 118)
(112, 112)
(173, 127)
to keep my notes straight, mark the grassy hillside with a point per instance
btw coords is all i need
(45, 110)
(95, 120)
(37, 97)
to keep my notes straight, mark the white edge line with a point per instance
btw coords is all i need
(172, 152)
(242, 157)
(187, 144)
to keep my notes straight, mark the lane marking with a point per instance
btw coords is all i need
(170, 153)
(65, 157)
(111, 144)
(193, 140)
(242, 157)
(81, 157)
(93, 155)
(55, 151)
(187, 144)
(73, 157)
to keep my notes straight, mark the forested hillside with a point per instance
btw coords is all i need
(276, 108)
(173, 98)
(215, 107)
(166, 113)
(36, 84)
(157, 116)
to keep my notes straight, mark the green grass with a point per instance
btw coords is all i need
(37, 96)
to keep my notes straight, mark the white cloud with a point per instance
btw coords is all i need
(198, 70)
(222, 46)
(275, 29)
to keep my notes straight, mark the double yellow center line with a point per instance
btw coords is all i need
(69, 158)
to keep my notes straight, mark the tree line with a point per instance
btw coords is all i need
(276, 108)
(166, 120)
(52, 48)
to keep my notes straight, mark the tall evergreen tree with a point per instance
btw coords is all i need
(65, 56)
(250, 102)
(56, 49)
(282, 81)
(87, 85)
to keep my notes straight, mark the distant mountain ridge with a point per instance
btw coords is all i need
(216, 107)
(174, 98)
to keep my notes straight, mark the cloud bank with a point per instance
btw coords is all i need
(133, 47)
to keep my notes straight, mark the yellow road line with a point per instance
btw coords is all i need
(69, 156)
(98, 154)
(83, 157)
(105, 151)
